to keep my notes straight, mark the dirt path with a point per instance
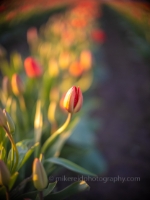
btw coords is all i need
(124, 139)
(125, 136)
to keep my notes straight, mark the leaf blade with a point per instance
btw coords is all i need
(69, 165)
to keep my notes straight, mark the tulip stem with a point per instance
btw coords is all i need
(41, 195)
(7, 193)
(14, 147)
(54, 135)
(64, 126)
(22, 102)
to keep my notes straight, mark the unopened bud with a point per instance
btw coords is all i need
(17, 85)
(4, 174)
(73, 100)
(3, 120)
(10, 123)
(6, 86)
(39, 176)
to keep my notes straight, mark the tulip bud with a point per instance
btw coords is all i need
(17, 85)
(3, 120)
(73, 100)
(39, 176)
(32, 67)
(6, 86)
(4, 174)
(10, 123)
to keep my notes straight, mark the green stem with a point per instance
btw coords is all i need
(22, 102)
(17, 190)
(41, 195)
(14, 147)
(60, 130)
(7, 193)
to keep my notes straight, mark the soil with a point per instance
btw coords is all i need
(124, 138)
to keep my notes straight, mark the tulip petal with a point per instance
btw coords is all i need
(80, 100)
(69, 100)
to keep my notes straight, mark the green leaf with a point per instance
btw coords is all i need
(2, 192)
(2, 153)
(57, 144)
(25, 150)
(48, 190)
(57, 141)
(27, 155)
(72, 189)
(12, 180)
(82, 134)
(69, 165)
(30, 195)
(18, 191)
(87, 157)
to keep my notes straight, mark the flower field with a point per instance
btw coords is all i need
(74, 99)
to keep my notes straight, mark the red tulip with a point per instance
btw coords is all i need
(98, 36)
(32, 67)
(73, 100)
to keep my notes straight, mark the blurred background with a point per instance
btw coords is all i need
(121, 85)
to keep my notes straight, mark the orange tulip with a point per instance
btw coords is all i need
(73, 100)
(86, 59)
(76, 69)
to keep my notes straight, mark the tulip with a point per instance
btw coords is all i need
(98, 36)
(76, 69)
(10, 123)
(3, 120)
(32, 68)
(4, 174)
(17, 85)
(64, 60)
(6, 86)
(86, 59)
(73, 100)
(39, 176)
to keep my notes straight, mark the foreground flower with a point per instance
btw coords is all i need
(73, 100)
(39, 176)
(32, 67)
(4, 174)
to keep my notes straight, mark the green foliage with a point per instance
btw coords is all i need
(69, 165)
(35, 106)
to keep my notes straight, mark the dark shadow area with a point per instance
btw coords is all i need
(125, 134)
